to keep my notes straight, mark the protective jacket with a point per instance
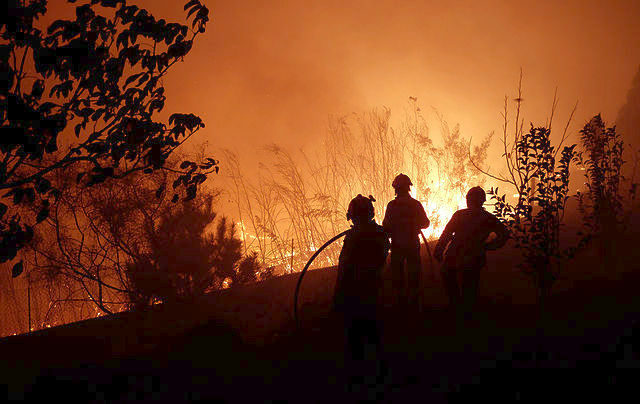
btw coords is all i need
(466, 235)
(362, 258)
(403, 220)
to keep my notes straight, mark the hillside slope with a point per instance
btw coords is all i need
(241, 343)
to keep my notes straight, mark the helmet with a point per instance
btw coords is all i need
(401, 181)
(361, 209)
(476, 196)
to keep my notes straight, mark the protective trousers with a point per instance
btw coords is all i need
(462, 294)
(361, 313)
(408, 293)
(361, 331)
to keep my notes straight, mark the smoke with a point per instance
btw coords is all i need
(628, 120)
(264, 73)
(273, 71)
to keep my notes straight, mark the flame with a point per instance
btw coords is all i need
(439, 208)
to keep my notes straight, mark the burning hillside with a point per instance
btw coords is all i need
(299, 201)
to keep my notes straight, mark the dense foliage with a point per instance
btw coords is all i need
(86, 92)
(184, 260)
(535, 219)
(121, 245)
(602, 204)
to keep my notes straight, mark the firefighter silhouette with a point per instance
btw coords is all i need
(466, 236)
(403, 220)
(361, 261)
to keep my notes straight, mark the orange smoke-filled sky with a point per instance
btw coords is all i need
(272, 71)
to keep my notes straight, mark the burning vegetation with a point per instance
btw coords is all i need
(299, 201)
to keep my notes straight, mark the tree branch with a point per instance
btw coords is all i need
(486, 172)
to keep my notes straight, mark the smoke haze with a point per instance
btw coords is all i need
(273, 71)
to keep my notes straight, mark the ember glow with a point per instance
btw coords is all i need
(439, 210)
(440, 206)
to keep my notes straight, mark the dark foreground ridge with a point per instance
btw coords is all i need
(588, 347)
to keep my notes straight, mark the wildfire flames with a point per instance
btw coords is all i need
(440, 207)
(439, 213)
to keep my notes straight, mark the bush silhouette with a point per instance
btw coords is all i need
(185, 261)
(88, 82)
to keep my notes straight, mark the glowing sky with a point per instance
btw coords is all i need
(274, 70)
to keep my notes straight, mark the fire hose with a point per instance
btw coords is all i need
(433, 268)
(295, 295)
(325, 245)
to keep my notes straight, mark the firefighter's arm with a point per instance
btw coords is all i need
(338, 293)
(502, 234)
(338, 296)
(386, 222)
(424, 220)
(386, 245)
(445, 239)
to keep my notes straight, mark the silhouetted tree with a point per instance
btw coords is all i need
(80, 251)
(246, 272)
(628, 127)
(603, 204)
(92, 84)
(535, 221)
(541, 183)
(179, 259)
(185, 261)
(122, 244)
(628, 119)
(604, 147)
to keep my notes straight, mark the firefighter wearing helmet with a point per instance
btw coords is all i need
(403, 220)
(466, 240)
(362, 258)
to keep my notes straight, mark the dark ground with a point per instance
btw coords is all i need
(589, 346)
